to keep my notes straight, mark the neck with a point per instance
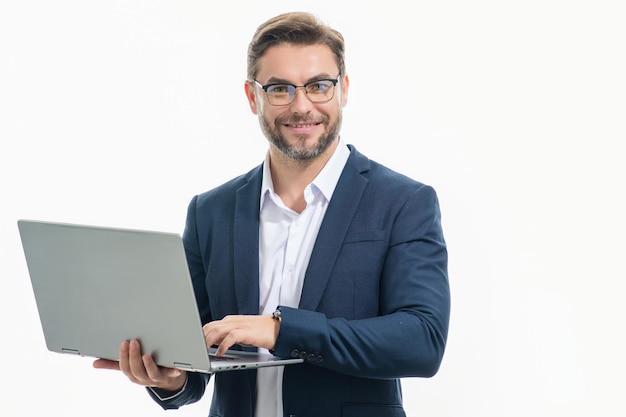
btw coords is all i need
(291, 176)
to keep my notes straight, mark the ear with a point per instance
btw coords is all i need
(345, 83)
(252, 98)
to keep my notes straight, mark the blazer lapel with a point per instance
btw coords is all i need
(331, 235)
(341, 209)
(246, 238)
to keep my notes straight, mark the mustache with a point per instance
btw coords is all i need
(294, 119)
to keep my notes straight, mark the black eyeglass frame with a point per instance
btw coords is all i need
(334, 81)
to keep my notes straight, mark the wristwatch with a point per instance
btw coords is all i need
(277, 315)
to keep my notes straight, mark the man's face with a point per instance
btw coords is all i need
(301, 129)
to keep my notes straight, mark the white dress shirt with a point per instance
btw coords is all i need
(286, 242)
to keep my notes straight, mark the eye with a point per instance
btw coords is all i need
(318, 87)
(278, 89)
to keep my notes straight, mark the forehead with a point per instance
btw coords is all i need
(297, 63)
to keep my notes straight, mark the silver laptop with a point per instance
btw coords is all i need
(96, 287)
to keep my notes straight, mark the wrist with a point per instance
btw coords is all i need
(176, 382)
(277, 318)
(172, 389)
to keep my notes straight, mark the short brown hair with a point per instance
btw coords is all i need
(297, 28)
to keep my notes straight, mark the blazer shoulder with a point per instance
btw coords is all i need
(380, 176)
(228, 190)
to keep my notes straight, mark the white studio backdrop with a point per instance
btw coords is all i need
(116, 113)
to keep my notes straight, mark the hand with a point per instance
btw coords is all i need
(142, 370)
(259, 331)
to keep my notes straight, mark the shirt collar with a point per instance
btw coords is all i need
(326, 180)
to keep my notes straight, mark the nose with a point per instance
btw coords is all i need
(301, 102)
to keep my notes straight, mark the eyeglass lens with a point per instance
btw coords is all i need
(317, 91)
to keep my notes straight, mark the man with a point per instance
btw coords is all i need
(318, 253)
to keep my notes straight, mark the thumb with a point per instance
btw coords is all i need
(106, 364)
(173, 372)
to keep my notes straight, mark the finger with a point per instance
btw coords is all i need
(129, 359)
(151, 368)
(242, 330)
(212, 334)
(170, 379)
(124, 360)
(222, 333)
(172, 372)
(234, 336)
(157, 374)
(106, 364)
(127, 363)
(136, 364)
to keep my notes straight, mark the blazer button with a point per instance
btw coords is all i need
(295, 353)
(303, 355)
(319, 359)
(311, 358)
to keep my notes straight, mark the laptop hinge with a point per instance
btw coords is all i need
(182, 365)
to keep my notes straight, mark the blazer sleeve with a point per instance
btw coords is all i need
(192, 392)
(407, 336)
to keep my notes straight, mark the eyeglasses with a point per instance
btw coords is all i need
(282, 94)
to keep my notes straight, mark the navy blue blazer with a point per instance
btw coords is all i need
(375, 303)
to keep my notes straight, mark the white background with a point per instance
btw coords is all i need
(118, 112)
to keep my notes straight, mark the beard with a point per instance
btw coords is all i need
(298, 151)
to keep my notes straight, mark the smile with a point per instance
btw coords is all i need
(302, 125)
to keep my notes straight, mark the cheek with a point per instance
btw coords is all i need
(266, 110)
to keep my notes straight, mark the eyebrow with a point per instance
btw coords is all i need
(321, 76)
